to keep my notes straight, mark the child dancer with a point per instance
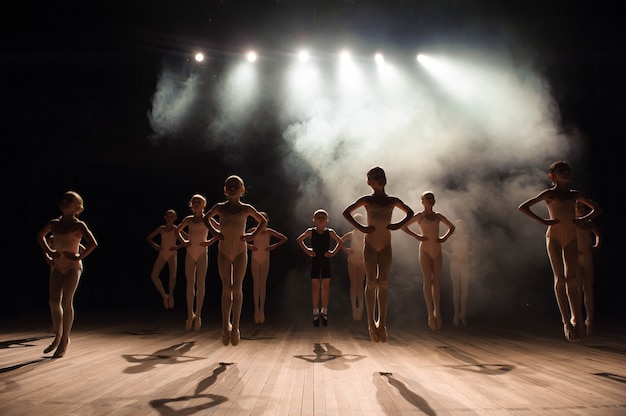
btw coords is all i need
(458, 252)
(232, 257)
(167, 255)
(377, 250)
(67, 232)
(196, 259)
(356, 267)
(588, 237)
(561, 241)
(260, 265)
(430, 255)
(320, 255)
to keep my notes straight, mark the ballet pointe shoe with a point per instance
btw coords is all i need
(235, 337)
(52, 346)
(189, 322)
(61, 349)
(197, 323)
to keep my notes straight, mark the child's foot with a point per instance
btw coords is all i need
(256, 317)
(235, 336)
(432, 323)
(166, 302)
(197, 323)
(463, 321)
(589, 327)
(457, 320)
(225, 337)
(189, 322)
(373, 333)
(261, 317)
(571, 333)
(382, 333)
(171, 301)
(324, 320)
(52, 346)
(316, 320)
(439, 323)
(61, 349)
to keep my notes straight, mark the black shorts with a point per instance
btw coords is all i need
(320, 267)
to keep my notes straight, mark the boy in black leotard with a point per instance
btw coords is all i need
(320, 255)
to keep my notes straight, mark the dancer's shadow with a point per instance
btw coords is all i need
(473, 365)
(170, 355)
(163, 405)
(22, 343)
(331, 356)
(257, 335)
(407, 394)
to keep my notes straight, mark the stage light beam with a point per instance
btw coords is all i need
(199, 57)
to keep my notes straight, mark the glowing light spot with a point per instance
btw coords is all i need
(251, 56)
(199, 57)
(303, 56)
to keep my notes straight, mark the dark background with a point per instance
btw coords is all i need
(77, 80)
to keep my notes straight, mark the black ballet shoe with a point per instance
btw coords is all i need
(324, 320)
(316, 320)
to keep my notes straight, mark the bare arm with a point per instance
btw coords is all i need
(179, 231)
(406, 229)
(408, 214)
(347, 214)
(150, 238)
(450, 226)
(43, 242)
(90, 241)
(300, 240)
(212, 223)
(595, 209)
(338, 240)
(282, 239)
(261, 223)
(347, 236)
(524, 208)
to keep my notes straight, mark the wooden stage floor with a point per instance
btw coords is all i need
(129, 365)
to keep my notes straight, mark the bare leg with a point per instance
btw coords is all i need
(156, 271)
(190, 291)
(224, 266)
(172, 265)
(384, 269)
(570, 256)
(587, 276)
(426, 263)
(56, 312)
(371, 289)
(260, 271)
(202, 265)
(464, 277)
(325, 292)
(70, 283)
(436, 288)
(239, 271)
(455, 277)
(555, 254)
(315, 293)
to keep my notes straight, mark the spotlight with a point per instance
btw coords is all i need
(422, 58)
(251, 56)
(199, 57)
(379, 58)
(303, 56)
(344, 56)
